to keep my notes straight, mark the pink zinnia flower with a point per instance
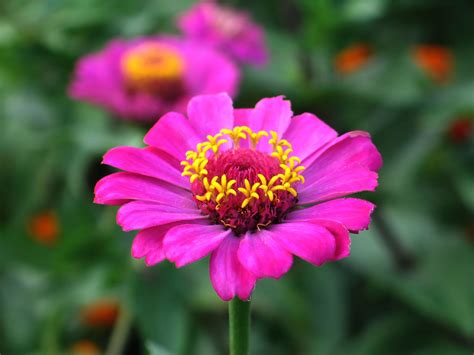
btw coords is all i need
(230, 30)
(144, 78)
(250, 187)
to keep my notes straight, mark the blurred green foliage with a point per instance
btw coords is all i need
(408, 285)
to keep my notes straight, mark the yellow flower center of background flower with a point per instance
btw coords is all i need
(148, 65)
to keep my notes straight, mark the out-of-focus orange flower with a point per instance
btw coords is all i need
(436, 61)
(85, 347)
(102, 313)
(44, 227)
(353, 58)
(461, 129)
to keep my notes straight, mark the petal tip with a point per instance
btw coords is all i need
(354, 134)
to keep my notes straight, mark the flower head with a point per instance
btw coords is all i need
(145, 78)
(250, 187)
(436, 61)
(102, 313)
(353, 58)
(230, 30)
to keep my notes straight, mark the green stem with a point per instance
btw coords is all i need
(120, 333)
(239, 326)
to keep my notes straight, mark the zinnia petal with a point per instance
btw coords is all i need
(263, 256)
(203, 79)
(350, 146)
(146, 161)
(271, 114)
(180, 135)
(210, 113)
(241, 116)
(187, 243)
(228, 276)
(149, 243)
(341, 238)
(119, 188)
(339, 183)
(143, 214)
(231, 31)
(309, 241)
(353, 213)
(307, 133)
(345, 167)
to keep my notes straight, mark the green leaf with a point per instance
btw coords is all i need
(439, 284)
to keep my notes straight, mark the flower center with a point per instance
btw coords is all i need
(153, 68)
(239, 186)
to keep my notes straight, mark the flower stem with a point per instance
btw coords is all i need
(120, 333)
(239, 326)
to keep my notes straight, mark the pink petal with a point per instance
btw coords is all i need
(210, 113)
(246, 45)
(174, 134)
(357, 143)
(309, 241)
(142, 214)
(337, 184)
(147, 161)
(121, 187)
(228, 276)
(345, 167)
(149, 243)
(307, 133)
(271, 114)
(187, 243)
(353, 213)
(242, 116)
(341, 238)
(203, 78)
(263, 256)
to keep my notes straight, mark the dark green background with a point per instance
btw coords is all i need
(407, 287)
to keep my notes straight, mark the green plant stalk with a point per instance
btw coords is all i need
(239, 326)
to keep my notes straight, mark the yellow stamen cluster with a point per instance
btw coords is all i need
(196, 169)
(235, 134)
(151, 62)
(213, 143)
(220, 188)
(255, 137)
(250, 192)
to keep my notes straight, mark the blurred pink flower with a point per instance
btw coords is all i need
(144, 78)
(250, 187)
(230, 30)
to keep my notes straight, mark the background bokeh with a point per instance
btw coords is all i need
(67, 280)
